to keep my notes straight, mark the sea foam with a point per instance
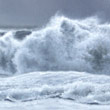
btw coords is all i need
(62, 45)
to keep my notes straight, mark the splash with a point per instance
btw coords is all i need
(62, 45)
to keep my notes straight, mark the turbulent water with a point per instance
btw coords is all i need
(66, 45)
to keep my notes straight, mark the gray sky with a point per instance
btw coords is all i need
(38, 12)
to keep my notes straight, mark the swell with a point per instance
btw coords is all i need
(62, 45)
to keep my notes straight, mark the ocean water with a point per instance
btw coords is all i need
(62, 66)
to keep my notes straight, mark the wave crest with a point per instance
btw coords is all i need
(64, 44)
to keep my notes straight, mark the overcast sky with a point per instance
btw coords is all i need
(38, 12)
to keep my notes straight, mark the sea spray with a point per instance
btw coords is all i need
(62, 45)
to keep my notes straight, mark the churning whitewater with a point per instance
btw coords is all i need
(63, 44)
(61, 47)
(75, 86)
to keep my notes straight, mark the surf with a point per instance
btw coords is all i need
(64, 44)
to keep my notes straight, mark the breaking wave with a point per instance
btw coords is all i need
(62, 45)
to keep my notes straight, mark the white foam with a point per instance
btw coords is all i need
(64, 44)
(78, 87)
